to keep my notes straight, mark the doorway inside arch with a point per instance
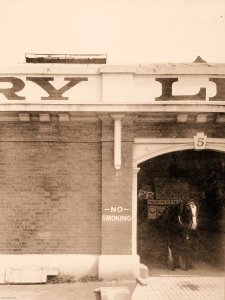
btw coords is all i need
(162, 182)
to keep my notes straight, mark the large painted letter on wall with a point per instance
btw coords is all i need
(17, 86)
(55, 94)
(167, 94)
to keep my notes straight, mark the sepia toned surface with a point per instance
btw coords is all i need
(70, 180)
(98, 150)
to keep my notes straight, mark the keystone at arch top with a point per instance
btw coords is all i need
(14, 88)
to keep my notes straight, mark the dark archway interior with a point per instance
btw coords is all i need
(179, 175)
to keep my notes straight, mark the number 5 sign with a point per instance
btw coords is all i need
(200, 141)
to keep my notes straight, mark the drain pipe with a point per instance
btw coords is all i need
(117, 139)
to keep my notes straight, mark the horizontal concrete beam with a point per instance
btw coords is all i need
(172, 106)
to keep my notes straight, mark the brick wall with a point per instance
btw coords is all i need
(50, 188)
(176, 130)
(55, 179)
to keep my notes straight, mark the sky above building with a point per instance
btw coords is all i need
(128, 31)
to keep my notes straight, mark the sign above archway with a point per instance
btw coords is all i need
(117, 85)
(12, 87)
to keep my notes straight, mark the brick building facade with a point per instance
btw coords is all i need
(71, 141)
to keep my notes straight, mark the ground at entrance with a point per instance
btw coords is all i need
(198, 270)
(172, 288)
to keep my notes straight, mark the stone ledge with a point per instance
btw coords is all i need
(26, 275)
(114, 267)
(114, 293)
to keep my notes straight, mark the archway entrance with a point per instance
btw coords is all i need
(170, 178)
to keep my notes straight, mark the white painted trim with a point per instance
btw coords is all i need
(152, 106)
(215, 147)
(172, 148)
(163, 140)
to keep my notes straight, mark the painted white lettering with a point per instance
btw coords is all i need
(116, 218)
(113, 208)
(119, 209)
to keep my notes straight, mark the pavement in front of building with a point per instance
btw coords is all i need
(159, 288)
(62, 291)
(185, 288)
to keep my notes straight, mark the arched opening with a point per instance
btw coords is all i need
(170, 178)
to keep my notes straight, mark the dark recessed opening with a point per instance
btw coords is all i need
(175, 176)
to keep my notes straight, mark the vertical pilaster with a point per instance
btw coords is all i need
(116, 187)
(117, 206)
